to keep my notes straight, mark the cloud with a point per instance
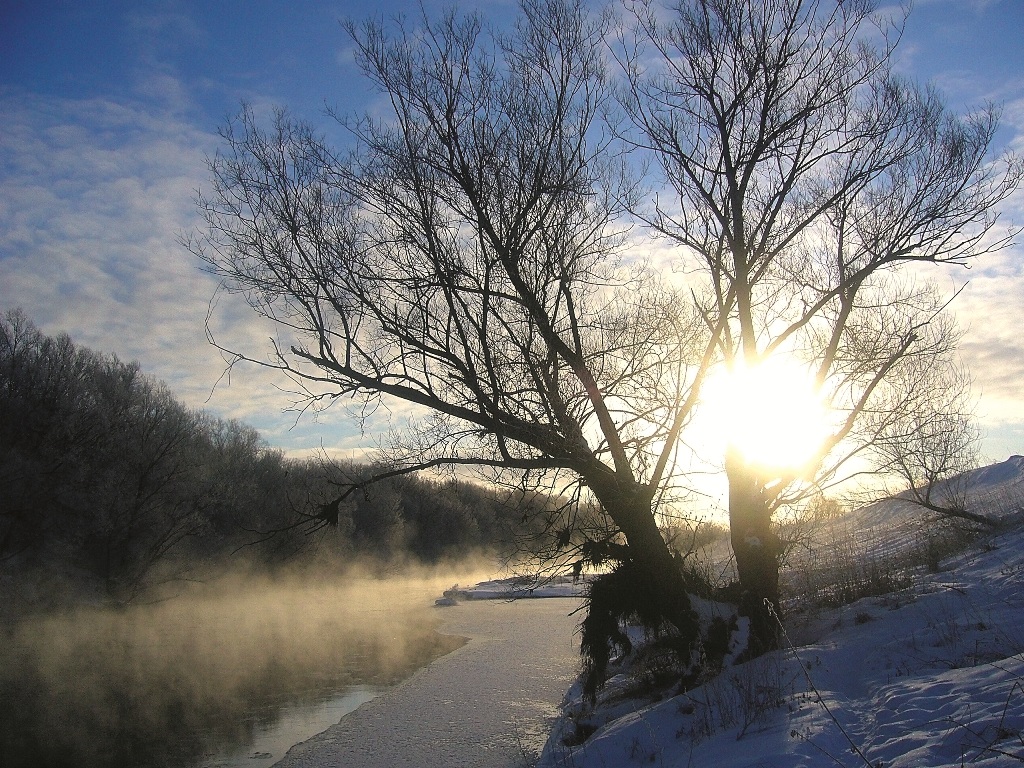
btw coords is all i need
(94, 192)
(991, 309)
(93, 196)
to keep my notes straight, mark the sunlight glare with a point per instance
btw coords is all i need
(771, 413)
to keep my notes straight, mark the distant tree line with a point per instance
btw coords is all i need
(109, 483)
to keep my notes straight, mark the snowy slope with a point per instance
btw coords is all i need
(995, 490)
(930, 675)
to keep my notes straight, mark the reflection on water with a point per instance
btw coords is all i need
(295, 724)
(187, 683)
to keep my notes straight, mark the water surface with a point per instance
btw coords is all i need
(489, 704)
(205, 681)
(294, 724)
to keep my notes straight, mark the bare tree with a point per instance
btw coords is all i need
(140, 499)
(802, 177)
(99, 463)
(932, 447)
(465, 258)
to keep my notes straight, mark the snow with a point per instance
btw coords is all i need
(930, 676)
(489, 704)
(513, 589)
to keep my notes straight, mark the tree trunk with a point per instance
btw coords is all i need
(953, 510)
(757, 549)
(631, 510)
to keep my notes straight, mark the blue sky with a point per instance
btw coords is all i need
(108, 109)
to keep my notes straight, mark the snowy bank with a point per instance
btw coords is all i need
(929, 676)
(514, 588)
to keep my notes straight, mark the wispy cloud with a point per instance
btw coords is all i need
(95, 191)
(93, 196)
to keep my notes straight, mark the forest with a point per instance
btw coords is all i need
(114, 491)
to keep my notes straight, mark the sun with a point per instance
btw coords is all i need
(772, 413)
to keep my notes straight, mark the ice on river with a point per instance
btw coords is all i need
(485, 705)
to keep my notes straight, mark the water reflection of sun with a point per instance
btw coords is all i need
(772, 414)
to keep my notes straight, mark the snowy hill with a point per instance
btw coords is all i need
(996, 490)
(1009, 472)
(928, 671)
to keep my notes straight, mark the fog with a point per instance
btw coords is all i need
(174, 682)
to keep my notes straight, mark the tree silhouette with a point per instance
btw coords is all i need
(469, 253)
(804, 181)
(465, 256)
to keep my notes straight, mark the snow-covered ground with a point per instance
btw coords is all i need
(931, 675)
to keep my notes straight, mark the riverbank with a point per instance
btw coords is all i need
(489, 704)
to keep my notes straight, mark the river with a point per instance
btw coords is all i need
(488, 704)
(236, 676)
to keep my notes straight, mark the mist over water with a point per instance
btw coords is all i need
(177, 682)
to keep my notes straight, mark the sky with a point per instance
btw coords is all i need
(108, 111)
